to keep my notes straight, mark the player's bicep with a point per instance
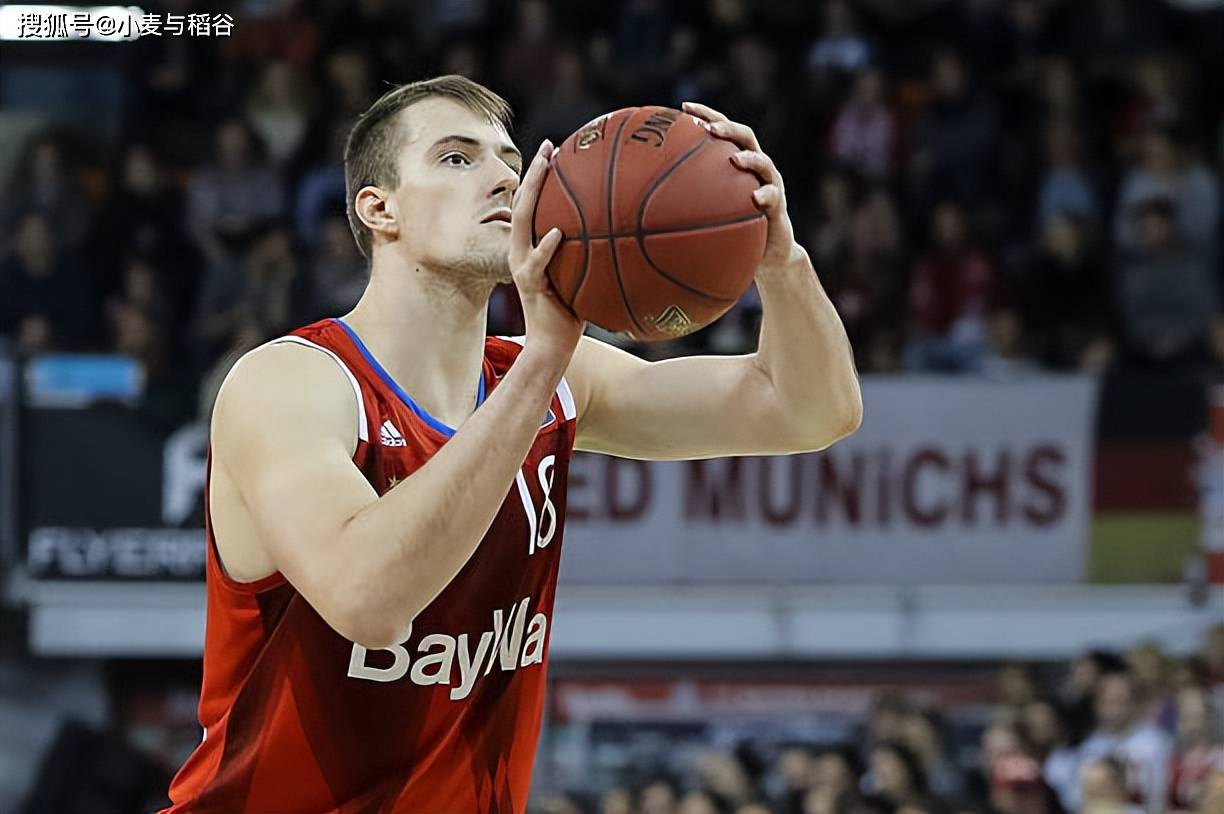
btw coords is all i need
(692, 407)
(284, 431)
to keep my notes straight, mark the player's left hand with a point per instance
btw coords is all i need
(780, 246)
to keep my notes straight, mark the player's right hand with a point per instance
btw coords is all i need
(551, 326)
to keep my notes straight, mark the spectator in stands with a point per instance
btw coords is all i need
(753, 808)
(141, 323)
(465, 58)
(1060, 90)
(529, 54)
(265, 290)
(1067, 188)
(864, 133)
(795, 774)
(1062, 298)
(1042, 727)
(279, 110)
(951, 296)
(1077, 696)
(320, 192)
(1112, 33)
(955, 140)
(144, 214)
(348, 85)
(698, 802)
(896, 776)
(920, 731)
(1010, 773)
(1143, 748)
(47, 302)
(836, 774)
(1168, 293)
(1199, 751)
(658, 796)
(885, 721)
(567, 106)
(868, 287)
(338, 272)
(1150, 670)
(1007, 353)
(1154, 99)
(833, 224)
(1187, 673)
(1103, 781)
(1167, 172)
(140, 294)
(44, 182)
(616, 801)
(230, 201)
(1213, 794)
(640, 47)
(841, 48)
(752, 97)
(725, 779)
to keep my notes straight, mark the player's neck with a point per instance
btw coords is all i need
(429, 338)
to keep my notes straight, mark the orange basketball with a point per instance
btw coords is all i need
(660, 235)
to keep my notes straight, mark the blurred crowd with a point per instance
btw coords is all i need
(987, 186)
(1109, 733)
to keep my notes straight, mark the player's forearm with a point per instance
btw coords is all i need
(805, 353)
(418, 536)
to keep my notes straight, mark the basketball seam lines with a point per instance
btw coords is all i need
(586, 244)
(654, 185)
(615, 261)
(640, 234)
(704, 295)
(644, 233)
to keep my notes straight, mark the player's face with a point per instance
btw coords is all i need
(458, 173)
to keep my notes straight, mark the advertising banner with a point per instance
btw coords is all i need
(946, 481)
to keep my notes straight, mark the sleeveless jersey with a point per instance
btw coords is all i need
(298, 719)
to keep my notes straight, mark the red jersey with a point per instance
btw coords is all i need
(298, 719)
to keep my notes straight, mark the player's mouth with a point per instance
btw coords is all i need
(498, 216)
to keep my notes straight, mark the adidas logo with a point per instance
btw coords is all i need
(391, 436)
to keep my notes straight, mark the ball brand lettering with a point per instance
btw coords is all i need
(590, 133)
(510, 644)
(654, 130)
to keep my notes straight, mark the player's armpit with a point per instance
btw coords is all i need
(284, 431)
(691, 407)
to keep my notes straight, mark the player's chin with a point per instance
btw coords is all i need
(497, 255)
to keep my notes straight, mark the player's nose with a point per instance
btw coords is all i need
(506, 183)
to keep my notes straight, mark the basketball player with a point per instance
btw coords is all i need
(386, 491)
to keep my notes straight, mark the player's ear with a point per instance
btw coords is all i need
(377, 210)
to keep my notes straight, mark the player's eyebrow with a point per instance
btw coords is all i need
(505, 149)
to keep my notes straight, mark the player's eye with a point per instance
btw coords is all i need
(462, 161)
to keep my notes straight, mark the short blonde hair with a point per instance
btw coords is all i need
(374, 141)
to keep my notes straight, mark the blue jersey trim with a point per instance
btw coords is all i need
(399, 391)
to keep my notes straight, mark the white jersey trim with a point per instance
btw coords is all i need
(563, 389)
(363, 430)
(567, 399)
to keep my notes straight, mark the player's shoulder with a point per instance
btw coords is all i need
(285, 384)
(283, 368)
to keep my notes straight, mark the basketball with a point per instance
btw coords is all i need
(660, 234)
